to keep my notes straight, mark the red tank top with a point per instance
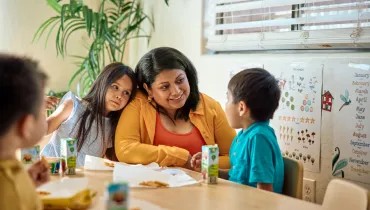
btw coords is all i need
(192, 141)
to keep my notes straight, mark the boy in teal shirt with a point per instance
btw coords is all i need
(253, 97)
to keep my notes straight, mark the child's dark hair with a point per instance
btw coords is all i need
(259, 90)
(21, 89)
(164, 58)
(96, 104)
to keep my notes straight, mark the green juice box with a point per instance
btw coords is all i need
(210, 163)
(68, 153)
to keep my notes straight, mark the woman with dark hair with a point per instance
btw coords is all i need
(92, 120)
(169, 120)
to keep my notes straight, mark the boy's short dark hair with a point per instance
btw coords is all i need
(21, 86)
(259, 90)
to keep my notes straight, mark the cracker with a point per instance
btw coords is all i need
(43, 193)
(110, 164)
(157, 184)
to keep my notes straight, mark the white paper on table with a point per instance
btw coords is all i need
(64, 188)
(135, 175)
(96, 163)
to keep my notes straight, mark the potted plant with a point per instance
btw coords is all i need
(110, 28)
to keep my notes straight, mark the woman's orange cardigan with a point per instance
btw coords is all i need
(136, 129)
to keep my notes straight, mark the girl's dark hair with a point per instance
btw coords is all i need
(96, 105)
(166, 58)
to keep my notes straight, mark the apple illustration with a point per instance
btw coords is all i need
(119, 197)
(27, 157)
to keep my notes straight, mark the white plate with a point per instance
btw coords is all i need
(97, 164)
(135, 175)
(64, 188)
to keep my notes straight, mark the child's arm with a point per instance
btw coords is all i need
(263, 186)
(223, 174)
(262, 167)
(59, 116)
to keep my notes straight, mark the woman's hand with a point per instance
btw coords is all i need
(196, 161)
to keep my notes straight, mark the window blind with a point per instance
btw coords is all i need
(287, 24)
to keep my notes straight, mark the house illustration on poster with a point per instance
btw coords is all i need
(327, 101)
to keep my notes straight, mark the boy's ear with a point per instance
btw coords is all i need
(243, 109)
(148, 90)
(25, 126)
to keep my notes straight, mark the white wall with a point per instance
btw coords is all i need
(19, 20)
(180, 26)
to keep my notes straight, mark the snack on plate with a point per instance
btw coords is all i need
(109, 164)
(154, 184)
(43, 193)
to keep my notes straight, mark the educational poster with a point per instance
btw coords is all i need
(297, 122)
(349, 88)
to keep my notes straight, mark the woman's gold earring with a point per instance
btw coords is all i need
(149, 99)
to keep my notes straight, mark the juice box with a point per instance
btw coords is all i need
(117, 196)
(55, 165)
(210, 163)
(30, 155)
(68, 152)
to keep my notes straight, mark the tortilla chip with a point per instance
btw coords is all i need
(154, 184)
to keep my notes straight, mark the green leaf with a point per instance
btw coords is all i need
(71, 27)
(341, 164)
(54, 5)
(80, 27)
(43, 27)
(63, 15)
(121, 19)
(88, 15)
(111, 42)
(51, 30)
(114, 2)
(335, 158)
(57, 42)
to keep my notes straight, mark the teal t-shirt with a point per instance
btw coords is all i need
(255, 157)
